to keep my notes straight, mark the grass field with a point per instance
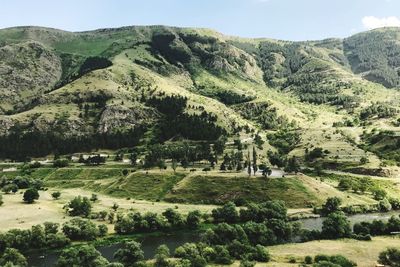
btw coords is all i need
(16, 214)
(364, 253)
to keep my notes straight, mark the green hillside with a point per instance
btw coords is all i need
(63, 92)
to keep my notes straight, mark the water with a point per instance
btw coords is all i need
(149, 246)
(174, 240)
(316, 223)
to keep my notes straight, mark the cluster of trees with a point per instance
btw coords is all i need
(322, 260)
(315, 153)
(390, 148)
(284, 140)
(203, 253)
(380, 110)
(83, 230)
(376, 53)
(47, 236)
(21, 143)
(390, 257)
(224, 96)
(38, 237)
(378, 227)
(79, 206)
(265, 115)
(191, 126)
(180, 152)
(8, 185)
(150, 222)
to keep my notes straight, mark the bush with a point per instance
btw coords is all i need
(30, 195)
(390, 257)
(222, 255)
(336, 225)
(13, 256)
(331, 205)
(56, 195)
(60, 163)
(226, 213)
(79, 229)
(79, 206)
(308, 260)
(130, 253)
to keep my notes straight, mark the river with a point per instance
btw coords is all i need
(150, 243)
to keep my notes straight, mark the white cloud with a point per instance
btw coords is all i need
(372, 22)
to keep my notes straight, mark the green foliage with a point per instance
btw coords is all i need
(332, 261)
(284, 140)
(85, 255)
(13, 256)
(56, 195)
(375, 53)
(129, 254)
(79, 206)
(226, 213)
(264, 114)
(379, 110)
(79, 229)
(336, 225)
(390, 257)
(30, 195)
(331, 205)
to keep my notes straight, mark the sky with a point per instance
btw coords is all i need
(279, 19)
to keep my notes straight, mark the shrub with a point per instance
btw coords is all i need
(30, 195)
(79, 206)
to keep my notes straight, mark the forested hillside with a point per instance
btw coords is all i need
(63, 92)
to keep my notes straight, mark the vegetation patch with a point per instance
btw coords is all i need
(221, 189)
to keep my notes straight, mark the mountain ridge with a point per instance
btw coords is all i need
(114, 83)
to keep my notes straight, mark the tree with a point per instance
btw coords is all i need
(60, 163)
(255, 168)
(292, 165)
(173, 217)
(174, 164)
(12, 255)
(390, 257)
(85, 255)
(10, 188)
(161, 257)
(222, 255)
(94, 198)
(266, 170)
(226, 213)
(364, 160)
(193, 219)
(38, 236)
(331, 205)
(336, 225)
(248, 163)
(129, 254)
(30, 195)
(1, 200)
(80, 229)
(133, 158)
(56, 195)
(79, 206)
(378, 193)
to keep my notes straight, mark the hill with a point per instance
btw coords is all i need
(63, 92)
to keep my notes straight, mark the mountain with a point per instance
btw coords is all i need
(65, 92)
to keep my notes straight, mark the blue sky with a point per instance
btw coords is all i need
(281, 19)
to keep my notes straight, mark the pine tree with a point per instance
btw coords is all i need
(255, 168)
